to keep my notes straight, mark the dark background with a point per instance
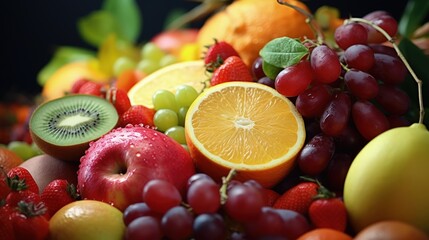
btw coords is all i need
(32, 29)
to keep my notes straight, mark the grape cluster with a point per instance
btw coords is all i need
(171, 109)
(209, 210)
(348, 93)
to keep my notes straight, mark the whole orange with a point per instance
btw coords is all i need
(249, 24)
(391, 230)
(324, 234)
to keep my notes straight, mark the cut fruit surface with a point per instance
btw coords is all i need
(244, 126)
(191, 73)
(63, 127)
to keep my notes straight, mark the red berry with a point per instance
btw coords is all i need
(137, 114)
(119, 99)
(233, 69)
(217, 54)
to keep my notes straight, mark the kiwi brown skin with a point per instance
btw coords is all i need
(74, 152)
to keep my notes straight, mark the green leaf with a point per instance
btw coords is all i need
(127, 16)
(97, 26)
(270, 70)
(418, 62)
(415, 12)
(62, 56)
(283, 52)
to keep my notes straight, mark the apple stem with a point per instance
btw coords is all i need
(224, 187)
(401, 56)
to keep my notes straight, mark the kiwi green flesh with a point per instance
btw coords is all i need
(72, 120)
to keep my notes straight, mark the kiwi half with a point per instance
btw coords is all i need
(64, 127)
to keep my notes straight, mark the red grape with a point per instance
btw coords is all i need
(209, 227)
(294, 79)
(269, 224)
(336, 115)
(325, 63)
(136, 210)
(337, 171)
(313, 101)
(177, 223)
(203, 196)
(369, 120)
(350, 34)
(146, 227)
(393, 99)
(388, 69)
(295, 224)
(361, 84)
(360, 57)
(383, 20)
(315, 155)
(160, 195)
(244, 203)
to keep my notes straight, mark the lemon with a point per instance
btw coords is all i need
(191, 73)
(388, 179)
(87, 219)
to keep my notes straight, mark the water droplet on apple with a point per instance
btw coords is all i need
(138, 154)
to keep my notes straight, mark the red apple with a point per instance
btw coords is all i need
(172, 40)
(116, 167)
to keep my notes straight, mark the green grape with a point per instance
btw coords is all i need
(185, 95)
(22, 149)
(177, 133)
(167, 60)
(164, 99)
(147, 66)
(122, 64)
(152, 52)
(165, 119)
(182, 115)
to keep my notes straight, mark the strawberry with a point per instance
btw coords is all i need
(78, 84)
(298, 198)
(328, 213)
(15, 197)
(6, 227)
(4, 191)
(57, 194)
(92, 88)
(19, 178)
(270, 196)
(29, 221)
(119, 99)
(137, 114)
(233, 69)
(217, 53)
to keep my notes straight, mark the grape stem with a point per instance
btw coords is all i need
(310, 20)
(224, 187)
(401, 56)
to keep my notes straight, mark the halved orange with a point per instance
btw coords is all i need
(244, 126)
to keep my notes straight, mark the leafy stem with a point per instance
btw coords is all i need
(401, 56)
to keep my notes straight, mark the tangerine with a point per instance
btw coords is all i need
(245, 126)
(249, 24)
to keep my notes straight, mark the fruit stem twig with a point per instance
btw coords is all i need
(401, 56)
(309, 20)
(224, 187)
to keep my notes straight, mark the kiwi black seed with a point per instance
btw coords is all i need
(64, 127)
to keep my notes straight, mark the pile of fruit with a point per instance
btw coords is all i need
(294, 132)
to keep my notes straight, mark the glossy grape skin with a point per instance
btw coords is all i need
(164, 119)
(313, 101)
(315, 155)
(257, 70)
(336, 115)
(350, 140)
(203, 196)
(136, 210)
(325, 64)
(381, 48)
(350, 34)
(209, 227)
(146, 227)
(393, 99)
(295, 224)
(185, 95)
(383, 20)
(294, 79)
(360, 57)
(269, 224)
(196, 177)
(388, 69)
(161, 195)
(176, 224)
(267, 81)
(361, 84)
(177, 133)
(244, 203)
(164, 99)
(337, 171)
(369, 120)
